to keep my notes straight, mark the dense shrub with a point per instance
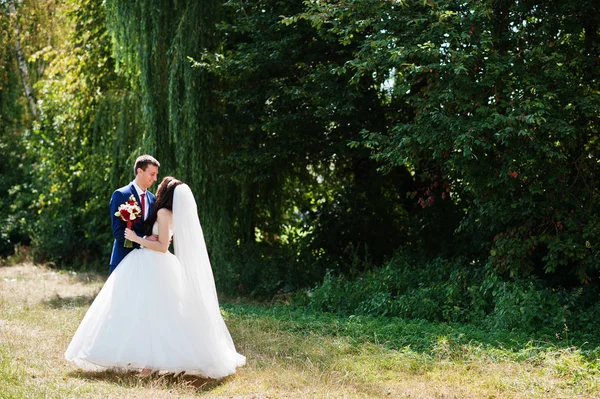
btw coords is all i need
(404, 286)
(456, 290)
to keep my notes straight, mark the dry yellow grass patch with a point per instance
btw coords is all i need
(40, 310)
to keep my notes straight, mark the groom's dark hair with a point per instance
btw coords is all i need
(143, 161)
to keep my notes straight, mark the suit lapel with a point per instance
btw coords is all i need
(151, 199)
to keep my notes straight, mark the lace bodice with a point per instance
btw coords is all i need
(155, 230)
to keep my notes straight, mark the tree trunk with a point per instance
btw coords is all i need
(21, 60)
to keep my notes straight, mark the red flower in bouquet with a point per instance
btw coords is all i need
(128, 212)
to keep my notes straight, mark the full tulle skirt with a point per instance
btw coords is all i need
(140, 320)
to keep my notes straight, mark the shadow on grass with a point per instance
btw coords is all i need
(134, 379)
(80, 301)
(87, 277)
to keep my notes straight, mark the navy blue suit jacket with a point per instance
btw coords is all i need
(118, 198)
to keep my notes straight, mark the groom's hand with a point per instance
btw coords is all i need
(153, 237)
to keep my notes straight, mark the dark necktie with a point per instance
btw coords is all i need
(143, 197)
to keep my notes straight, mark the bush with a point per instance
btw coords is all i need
(404, 286)
(266, 270)
(457, 290)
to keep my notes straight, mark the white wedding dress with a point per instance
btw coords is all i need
(159, 311)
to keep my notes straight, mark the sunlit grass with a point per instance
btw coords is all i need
(291, 352)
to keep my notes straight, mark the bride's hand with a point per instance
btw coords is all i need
(130, 235)
(153, 237)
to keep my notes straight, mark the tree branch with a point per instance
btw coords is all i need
(21, 60)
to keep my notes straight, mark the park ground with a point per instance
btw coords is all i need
(292, 353)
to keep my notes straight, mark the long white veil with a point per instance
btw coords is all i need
(199, 295)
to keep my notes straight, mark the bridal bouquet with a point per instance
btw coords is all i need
(128, 212)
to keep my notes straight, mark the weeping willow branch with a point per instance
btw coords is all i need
(155, 40)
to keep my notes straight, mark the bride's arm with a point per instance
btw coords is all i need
(164, 218)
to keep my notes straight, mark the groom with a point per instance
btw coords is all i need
(146, 173)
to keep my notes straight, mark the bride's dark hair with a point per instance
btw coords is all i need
(164, 199)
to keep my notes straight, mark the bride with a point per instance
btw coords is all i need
(159, 311)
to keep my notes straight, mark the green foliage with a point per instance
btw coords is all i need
(326, 135)
(81, 147)
(498, 103)
(290, 120)
(407, 286)
(181, 114)
(458, 291)
(14, 119)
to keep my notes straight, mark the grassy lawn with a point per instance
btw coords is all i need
(292, 353)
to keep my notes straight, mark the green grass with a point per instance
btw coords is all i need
(292, 353)
(419, 335)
